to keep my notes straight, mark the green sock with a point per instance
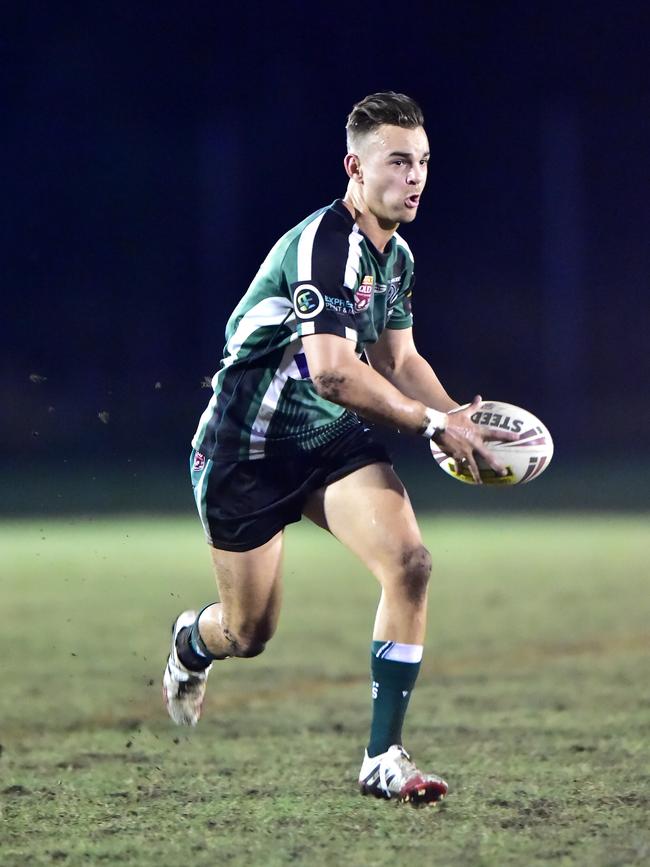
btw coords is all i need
(392, 682)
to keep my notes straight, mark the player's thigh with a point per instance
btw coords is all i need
(250, 584)
(370, 512)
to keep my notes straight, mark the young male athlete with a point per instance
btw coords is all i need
(283, 434)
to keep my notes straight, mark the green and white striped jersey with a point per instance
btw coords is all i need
(322, 277)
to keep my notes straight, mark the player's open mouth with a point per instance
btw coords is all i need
(412, 201)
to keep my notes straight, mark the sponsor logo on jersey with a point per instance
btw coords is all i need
(308, 301)
(338, 305)
(393, 291)
(364, 293)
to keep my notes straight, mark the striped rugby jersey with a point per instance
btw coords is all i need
(324, 276)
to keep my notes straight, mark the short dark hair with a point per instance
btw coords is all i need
(388, 107)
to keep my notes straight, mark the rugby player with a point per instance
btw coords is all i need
(285, 434)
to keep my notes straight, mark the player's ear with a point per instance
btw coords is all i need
(353, 168)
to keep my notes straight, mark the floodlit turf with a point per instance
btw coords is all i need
(533, 702)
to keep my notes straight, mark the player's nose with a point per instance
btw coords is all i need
(416, 175)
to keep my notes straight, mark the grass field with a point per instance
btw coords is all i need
(533, 702)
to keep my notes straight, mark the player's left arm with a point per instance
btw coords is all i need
(397, 359)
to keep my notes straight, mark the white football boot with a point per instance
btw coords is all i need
(183, 690)
(393, 775)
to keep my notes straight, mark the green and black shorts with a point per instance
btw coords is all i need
(243, 504)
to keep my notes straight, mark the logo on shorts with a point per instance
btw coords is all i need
(363, 294)
(308, 301)
(199, 462)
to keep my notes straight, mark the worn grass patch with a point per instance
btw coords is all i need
(532, 702)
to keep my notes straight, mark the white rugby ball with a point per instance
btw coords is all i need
(525, 458)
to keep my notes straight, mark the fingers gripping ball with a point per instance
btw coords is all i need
(525, 458)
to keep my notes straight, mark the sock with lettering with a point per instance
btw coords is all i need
(394, 669)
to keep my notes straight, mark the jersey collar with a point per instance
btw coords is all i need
(339, 208)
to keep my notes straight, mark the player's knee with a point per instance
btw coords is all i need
(415, 572)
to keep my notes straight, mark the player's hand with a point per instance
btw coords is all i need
(462, 440)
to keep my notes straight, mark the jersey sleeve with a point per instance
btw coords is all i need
(400, 314)
(323, 309)
(316, 270)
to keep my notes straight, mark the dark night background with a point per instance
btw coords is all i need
(153, 153)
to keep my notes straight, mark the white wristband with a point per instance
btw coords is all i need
(437, 421)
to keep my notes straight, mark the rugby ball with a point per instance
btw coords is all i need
(525, 458)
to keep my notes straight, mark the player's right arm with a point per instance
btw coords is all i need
(339, 376)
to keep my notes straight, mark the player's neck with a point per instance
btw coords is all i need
(371, 227)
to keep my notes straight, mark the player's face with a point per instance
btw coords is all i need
(394, 165)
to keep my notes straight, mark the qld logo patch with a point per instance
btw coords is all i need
(363, 294)
(307, 301)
